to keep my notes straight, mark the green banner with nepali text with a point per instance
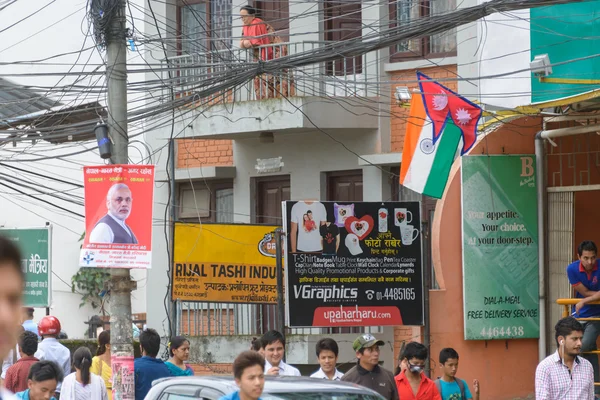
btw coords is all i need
(35, 245)
(500, 247)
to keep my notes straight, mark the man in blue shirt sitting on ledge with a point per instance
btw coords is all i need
(584, 276)
(148, 368)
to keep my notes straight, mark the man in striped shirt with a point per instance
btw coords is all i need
(565, 375)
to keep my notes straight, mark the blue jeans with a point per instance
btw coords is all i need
(590, 335)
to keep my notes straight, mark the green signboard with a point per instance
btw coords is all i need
(35, 245)
(500, 247)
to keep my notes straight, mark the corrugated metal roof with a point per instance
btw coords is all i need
(16, 101)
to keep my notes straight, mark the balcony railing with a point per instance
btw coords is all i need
(345, 77)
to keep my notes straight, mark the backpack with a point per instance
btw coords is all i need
(461, 386)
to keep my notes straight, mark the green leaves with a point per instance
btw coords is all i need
(90, 283)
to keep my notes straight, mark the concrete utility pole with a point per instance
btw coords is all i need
(121, 285)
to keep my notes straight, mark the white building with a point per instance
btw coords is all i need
(333, 135)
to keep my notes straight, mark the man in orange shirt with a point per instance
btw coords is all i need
(412, 383)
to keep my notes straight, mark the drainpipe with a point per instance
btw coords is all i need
(540, 157)
(574, 130)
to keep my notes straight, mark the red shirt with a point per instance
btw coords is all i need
(16, 375)
(427, 389)
(257, 35)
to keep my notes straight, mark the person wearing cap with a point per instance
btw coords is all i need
(51, 349)
(367, 371)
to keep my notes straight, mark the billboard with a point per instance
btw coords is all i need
(118, 216)
(353, 264)
(230, 263)
(35, 245)
(500, 247)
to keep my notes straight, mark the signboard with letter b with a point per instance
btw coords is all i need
(500, 247)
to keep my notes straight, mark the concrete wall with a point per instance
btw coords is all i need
(306, 156)
(300, 349)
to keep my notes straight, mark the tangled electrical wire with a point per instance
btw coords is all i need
(204, 81)
(101, 14)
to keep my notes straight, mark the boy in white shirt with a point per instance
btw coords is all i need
(274, 345)
(327, 354)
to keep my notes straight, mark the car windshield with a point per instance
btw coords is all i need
(317, 396)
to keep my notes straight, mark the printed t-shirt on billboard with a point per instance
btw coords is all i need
(330, 234)
(309, 217)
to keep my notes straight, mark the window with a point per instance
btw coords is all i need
(208, 201)
(277, 14)
(439, 45)
(204, 25)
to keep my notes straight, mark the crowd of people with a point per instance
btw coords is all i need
(407, 382)
(39, 367)
(46, 370)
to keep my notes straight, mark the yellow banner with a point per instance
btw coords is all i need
(230, 263)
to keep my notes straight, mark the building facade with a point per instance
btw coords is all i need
(340, 135)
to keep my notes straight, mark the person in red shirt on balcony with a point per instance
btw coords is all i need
(255, 33)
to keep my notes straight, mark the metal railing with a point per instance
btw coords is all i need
(345, 77)
(567, 303)
(226, 319)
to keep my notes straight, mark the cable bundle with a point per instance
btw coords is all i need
(101, 14)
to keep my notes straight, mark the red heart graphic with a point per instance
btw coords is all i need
(361, 227)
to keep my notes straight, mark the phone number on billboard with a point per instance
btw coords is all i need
(392, 294)
(498, 332)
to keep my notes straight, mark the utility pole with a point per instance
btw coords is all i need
(121, 285)
(280, 286)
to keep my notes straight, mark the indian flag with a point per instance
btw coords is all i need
(431, 145)
(426, 165)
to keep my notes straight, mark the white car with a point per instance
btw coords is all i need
(276, 388)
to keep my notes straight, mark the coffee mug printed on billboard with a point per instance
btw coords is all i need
(402, 216)
(360, 274)
(409, 234)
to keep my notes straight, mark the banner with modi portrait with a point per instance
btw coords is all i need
(118, 216)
